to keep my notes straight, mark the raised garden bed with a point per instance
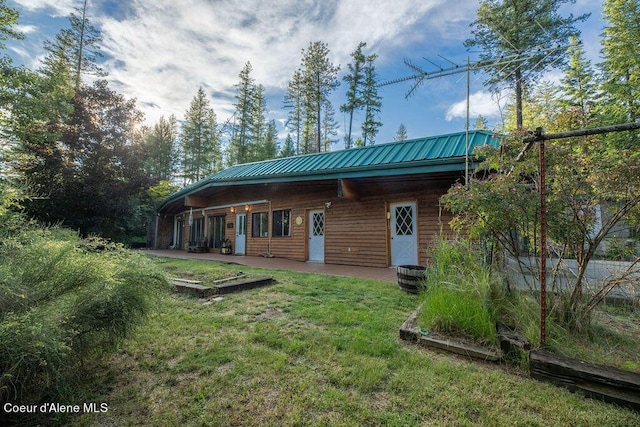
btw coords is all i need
(411, 332)
(595, 381)
(220, 287)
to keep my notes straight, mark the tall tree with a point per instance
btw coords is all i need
(621, 67)
(329, 126)
(578, 83)
(8, 22)
(354, 80)
(401, 133)
(200, 140)
(240, 146)
(78, 47)
(294, 102)
(288, 149)
(320, 79)
(372, 103)
(258, 125)
(161, 150)
(527, 30)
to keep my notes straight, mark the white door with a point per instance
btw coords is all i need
(404, 236)
(241, 234)
(316, 236)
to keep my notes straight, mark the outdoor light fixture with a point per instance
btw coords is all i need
(233, 209)
(247, 208)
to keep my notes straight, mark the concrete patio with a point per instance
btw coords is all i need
(382, 274)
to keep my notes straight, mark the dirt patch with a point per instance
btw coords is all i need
(272, 313)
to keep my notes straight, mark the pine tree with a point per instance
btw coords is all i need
(241, 144)
(319, 80)
(372, 103)
(78, 47)
(201, 154)
(401, 133)
(355, 81)
(161, 149)
(528, 28)
(621, 67)
(294, 102)
(329, 126)
(288, 149)
(578, 84)
(258, 126)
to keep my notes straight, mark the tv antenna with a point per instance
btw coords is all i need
(420, 75)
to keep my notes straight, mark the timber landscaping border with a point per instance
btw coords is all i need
(592, 380)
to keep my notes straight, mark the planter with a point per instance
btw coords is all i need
(410, 277)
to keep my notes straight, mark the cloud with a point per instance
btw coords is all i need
(58, 7)
(480, 103)
(160, 52)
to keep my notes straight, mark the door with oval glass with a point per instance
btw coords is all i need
(404, 236)
(316, 235)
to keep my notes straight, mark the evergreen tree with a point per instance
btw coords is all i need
(578, 85)
(241, 144)
(319, 80)
(329, 126)
(78, 47)
(354, 80)
(401, 133)
(294, 102)
(200, 140)
(288, 149)
(8, 21)
(531, 29)
(481, 123)
(269, 148)
(372, 103)
(621, 67)
(258, 126)
(161, 149)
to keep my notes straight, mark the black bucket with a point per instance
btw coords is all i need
(410, 277)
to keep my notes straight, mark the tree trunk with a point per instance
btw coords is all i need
(518, 98)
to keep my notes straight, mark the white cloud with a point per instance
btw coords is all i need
(480, 103)
(162, 51)
(59, 7)
(26, 29)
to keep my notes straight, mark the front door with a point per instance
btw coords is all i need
(404, 236)
(316, 236)
(241, 234)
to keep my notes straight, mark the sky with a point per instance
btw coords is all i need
(161, 51)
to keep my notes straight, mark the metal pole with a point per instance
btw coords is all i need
(466, 151)
(543, 246)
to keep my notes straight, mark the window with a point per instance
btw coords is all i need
(281, 223)
(196, 237)
(216, 231)
(260, 224)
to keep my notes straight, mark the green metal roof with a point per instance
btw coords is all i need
(423, 155)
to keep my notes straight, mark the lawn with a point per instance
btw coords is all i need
(311, 350)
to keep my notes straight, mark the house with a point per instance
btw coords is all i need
(372, 206)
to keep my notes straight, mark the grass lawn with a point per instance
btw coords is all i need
(312, 350)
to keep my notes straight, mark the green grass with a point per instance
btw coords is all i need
(456, 297)
(311, 350)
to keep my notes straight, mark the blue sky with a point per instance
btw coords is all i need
(161, 51)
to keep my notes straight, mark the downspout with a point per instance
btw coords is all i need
(270, 231)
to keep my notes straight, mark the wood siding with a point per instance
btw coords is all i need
(356, 231)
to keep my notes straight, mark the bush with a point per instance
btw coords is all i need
(457, 293)
(62, 302)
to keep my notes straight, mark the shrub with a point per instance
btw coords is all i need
(63, 301)
(457, 293)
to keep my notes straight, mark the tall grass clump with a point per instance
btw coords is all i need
(65, 301)
(456, 297)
